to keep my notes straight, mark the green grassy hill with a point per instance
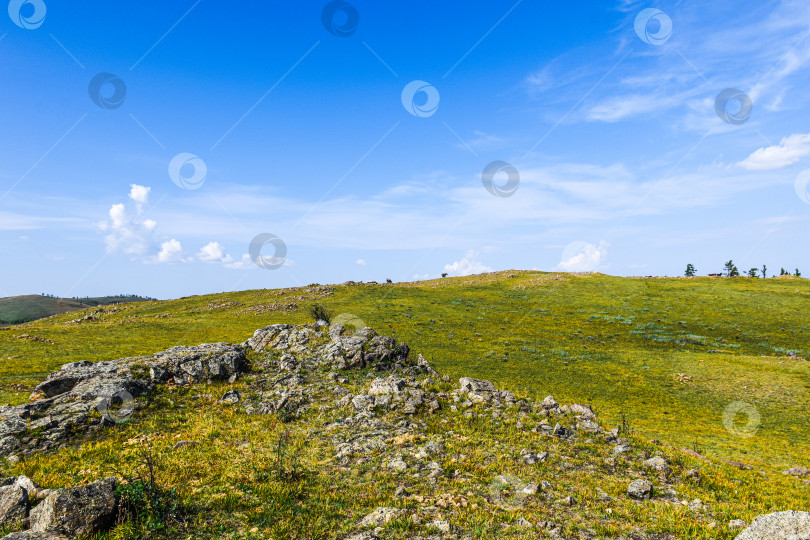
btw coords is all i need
(670, 355)
(21, 309)
(665, 358)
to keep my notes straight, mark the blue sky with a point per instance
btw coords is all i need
(277, 124)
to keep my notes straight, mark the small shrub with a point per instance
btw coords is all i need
(287, 466)
(143, 502)
(319, 313)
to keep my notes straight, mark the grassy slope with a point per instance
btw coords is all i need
(616, 343)
(31, 307)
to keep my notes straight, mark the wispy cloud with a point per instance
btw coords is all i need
(789, 151)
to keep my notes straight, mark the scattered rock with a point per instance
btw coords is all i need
(640, 490)
(75, 511)
(659, 464)
(737, 524)
(30, 535)
(380, 517)
(797, 471)
(231, 397)
(182, 444)
(790, 525)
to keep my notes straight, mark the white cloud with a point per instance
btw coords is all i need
(789, 151)
(127, 232)
(245, 264)
(469, 264)
(171, 251)
(582, 257)
(361, 262)
(214, 252)
(140, 195)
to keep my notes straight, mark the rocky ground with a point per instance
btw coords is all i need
(391, 420)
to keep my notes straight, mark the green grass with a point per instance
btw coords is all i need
(616, 343)
(633, 348)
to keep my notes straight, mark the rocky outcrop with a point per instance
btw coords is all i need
(778, 526)
(84, 396)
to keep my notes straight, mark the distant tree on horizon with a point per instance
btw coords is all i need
(753, 272)
(690, 270)
(731, 269)
(764, 271)
(782, 272)
(798, 274)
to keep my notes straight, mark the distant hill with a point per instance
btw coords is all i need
(21, 309)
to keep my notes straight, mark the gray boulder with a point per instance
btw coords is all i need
(790, 525)
(13, 504)
(639, 490)
(75, 511)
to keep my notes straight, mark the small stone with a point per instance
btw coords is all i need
(797, 471)
(381, 516)
(639, 490)
(550, 403)
(659, 464)
(443, 526)
(231, 397)
(182, 444)
(737, 524)
(521, 522)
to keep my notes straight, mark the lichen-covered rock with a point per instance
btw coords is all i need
(74, 511)
(790, 525)
(13, 504)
